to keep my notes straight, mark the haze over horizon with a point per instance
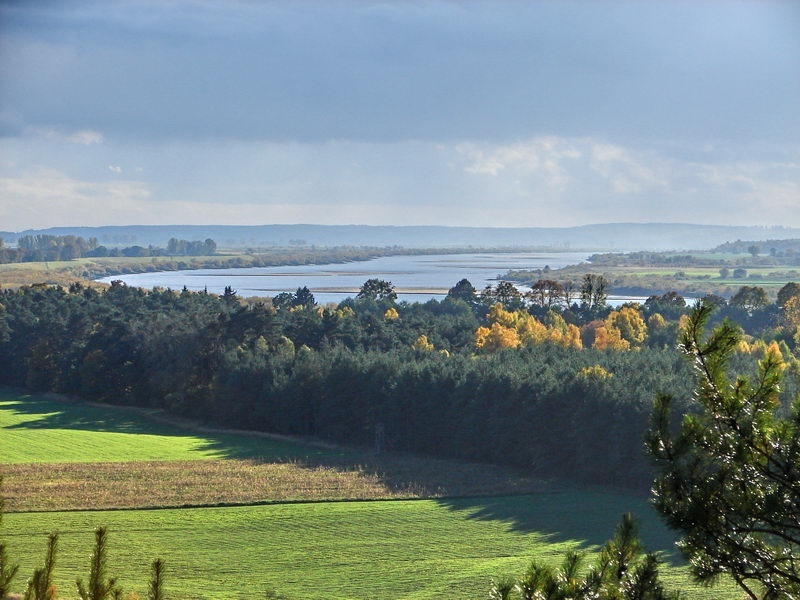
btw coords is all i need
(404, 113)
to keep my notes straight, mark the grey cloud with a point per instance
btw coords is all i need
(431, 71)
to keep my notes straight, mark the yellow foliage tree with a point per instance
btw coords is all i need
(594, 373)
(572, 338)
(773, 352)
(656, 321)
(345, 312)
(498, 314)
(561, 333)
(528, 330)
(391, 314)
(496, 337)
(762, 350)
(422, 344)
(609, 338)
(531, 331)
(630, 324)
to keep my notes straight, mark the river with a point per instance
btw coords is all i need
(416, 278)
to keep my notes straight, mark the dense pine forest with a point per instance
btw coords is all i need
(565, 389)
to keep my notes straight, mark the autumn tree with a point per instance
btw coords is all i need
(609, 338)
(496, 337)
(510, 329)
(787, 292)
(421, 344)
(729, 479)
(630, 324)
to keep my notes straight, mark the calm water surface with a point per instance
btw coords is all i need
(416, 278)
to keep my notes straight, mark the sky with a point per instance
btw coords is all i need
(496, 113)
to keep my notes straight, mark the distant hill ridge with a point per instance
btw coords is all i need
(605, 236)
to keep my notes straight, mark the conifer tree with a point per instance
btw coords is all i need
(40, 585)
(730, 478)
(99, 588)
(156, 590)
(621, 573)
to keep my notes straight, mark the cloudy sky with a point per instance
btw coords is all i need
(402, 112)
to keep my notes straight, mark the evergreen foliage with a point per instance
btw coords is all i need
(40, 585)
(336, 372)
(156, 588)
(100, 587)
(729, 480)
(620, 573)
(377, 289)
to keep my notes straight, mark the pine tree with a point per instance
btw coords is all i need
(99, 588)
(40, 585)
(730, 478)
(621, 573)
(156, 591)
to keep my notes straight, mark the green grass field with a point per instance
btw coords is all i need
(377, 549)
(63, 273)
(39, 429)
(423, 549)
(59, 455)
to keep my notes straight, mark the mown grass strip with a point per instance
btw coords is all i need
(418, 550)
(35, 428)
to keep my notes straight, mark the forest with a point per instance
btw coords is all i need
(497, 376)
(45, 247)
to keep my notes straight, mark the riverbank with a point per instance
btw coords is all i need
(86, 270)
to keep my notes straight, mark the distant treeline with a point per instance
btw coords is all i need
(459, 378)
(650, 236)
(43, 248)
(781, 248)
(786, 252)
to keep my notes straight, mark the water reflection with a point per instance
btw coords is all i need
(416, 278)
